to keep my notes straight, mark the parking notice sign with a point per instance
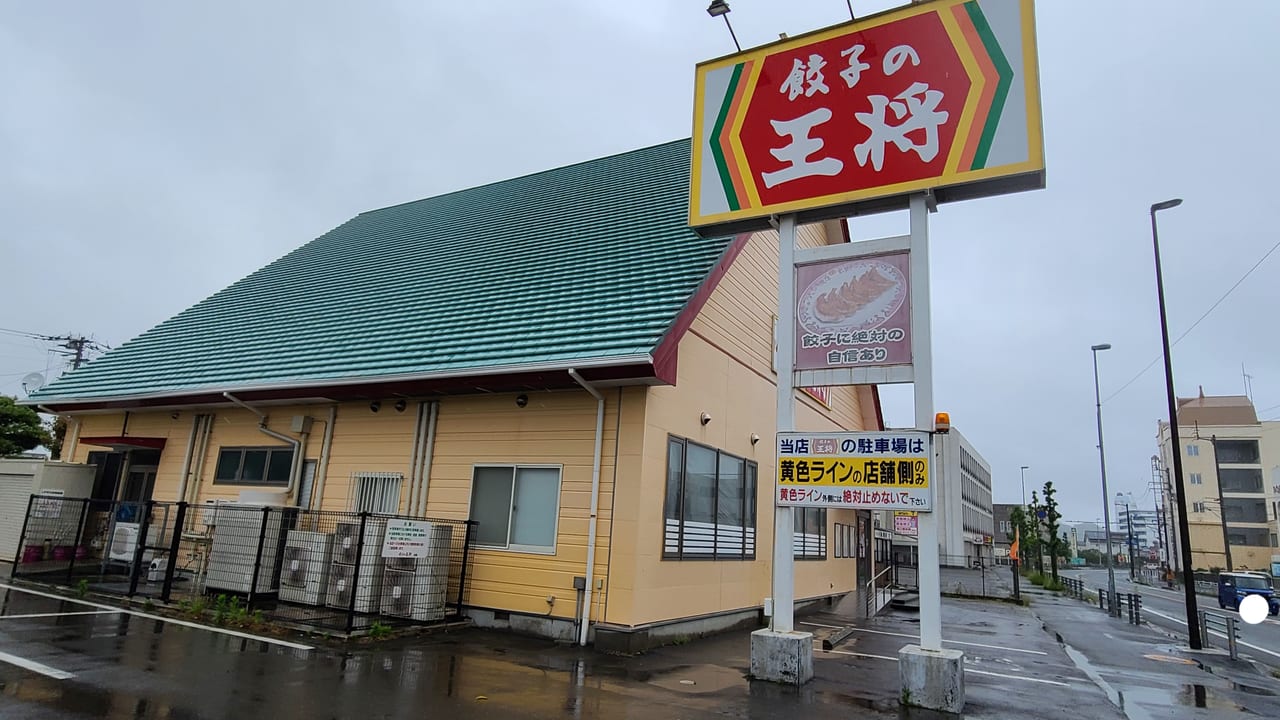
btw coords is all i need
(859, 470)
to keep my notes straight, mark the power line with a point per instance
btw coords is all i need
(1212, 307)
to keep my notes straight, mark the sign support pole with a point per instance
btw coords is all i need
(779, 653)
(922, 359)
(931, 676)
(784, 580)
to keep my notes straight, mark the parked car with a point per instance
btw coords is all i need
(1234, 586)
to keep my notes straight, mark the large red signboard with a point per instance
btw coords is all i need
(939, 96)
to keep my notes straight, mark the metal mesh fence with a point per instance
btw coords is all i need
(965, 575)
(333, 570)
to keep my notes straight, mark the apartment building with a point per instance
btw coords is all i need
(1231, 474)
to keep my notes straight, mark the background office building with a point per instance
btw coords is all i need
(1233, 492)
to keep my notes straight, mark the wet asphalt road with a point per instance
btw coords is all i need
(1167, 609)
(103, 664)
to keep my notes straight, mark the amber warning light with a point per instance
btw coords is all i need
(942, 422)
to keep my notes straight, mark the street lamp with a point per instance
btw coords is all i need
(1025, 468)
(1184, 533)
(720, 8)
(1112, 607)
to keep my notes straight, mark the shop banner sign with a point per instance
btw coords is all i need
(938, 96)
(906, 523)
(854, 313)
(861, 470)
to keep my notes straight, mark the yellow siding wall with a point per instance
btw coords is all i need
(724, 370)
(553, 429)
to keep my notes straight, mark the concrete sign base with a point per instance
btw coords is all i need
(932, 679)
(782, 657)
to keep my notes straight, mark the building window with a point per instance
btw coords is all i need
(1237, 452)
(1275, 541)
(710, 504)
(846, 540)
(374, 492)
(1253, 537)
(267, 466)
(1193, 450)
(1241, 480)
(1197, 479)
(810, 539)
(516, 507)
(1197, 507)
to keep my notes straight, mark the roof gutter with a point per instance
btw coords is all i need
(262, 428)
(595, 506)
(512, 369)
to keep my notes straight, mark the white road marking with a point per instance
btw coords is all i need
(65, 614)
(1213, 632)
(967, 670)
(954, 642)
(833, 627)
(159, 618)
(34, 666)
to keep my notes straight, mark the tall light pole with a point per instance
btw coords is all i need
(1112, 606)
(1184, 533)
(1025, 468)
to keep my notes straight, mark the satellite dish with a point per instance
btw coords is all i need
(32, 382)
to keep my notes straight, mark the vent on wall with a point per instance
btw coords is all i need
(376, 492)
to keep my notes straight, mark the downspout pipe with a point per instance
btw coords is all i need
(595, 506)
(262, 428)
(419, 422)
(196, 422)
(424, 476)
(322, 469)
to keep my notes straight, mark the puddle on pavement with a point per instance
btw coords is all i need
(1251, 689)
(1199, 696)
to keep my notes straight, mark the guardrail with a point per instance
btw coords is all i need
(1129, 604)
(879, 591)
(1074, 587)
(1225, 625)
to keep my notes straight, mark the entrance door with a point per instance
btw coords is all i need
(139, 484)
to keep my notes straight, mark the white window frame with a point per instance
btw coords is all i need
(1193, 450)
(387, 480)
(515, 467)
(1197, 479)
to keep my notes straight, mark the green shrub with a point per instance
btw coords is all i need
(378, 630)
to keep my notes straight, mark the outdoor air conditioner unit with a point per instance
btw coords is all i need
(304, 576)
(416, 588)
(343, 571)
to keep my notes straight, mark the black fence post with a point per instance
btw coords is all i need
(71, 566)
(257, 557)
(462, 575)
(1102, 599)
(174, 545)
(355, 573)
(139, 548)
(22, 538)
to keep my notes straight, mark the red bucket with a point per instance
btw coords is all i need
(63, 552)
(32, 553)
(82, 552)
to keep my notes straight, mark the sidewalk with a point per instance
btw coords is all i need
(1150, 674)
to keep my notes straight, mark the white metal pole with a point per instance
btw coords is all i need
(922, 358)
(783, 619)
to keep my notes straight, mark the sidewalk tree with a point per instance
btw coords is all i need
(1051, 518)
(1035, 531)
(20, 428)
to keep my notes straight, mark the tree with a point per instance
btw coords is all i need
(1034, 531)
(20, 428)
(1091, 556)
(1051, 518)
(57, 434)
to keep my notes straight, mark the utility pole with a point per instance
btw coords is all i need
(1222, 505)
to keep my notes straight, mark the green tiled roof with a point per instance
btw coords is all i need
(587, 262)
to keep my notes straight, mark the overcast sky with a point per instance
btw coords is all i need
(152, 153)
